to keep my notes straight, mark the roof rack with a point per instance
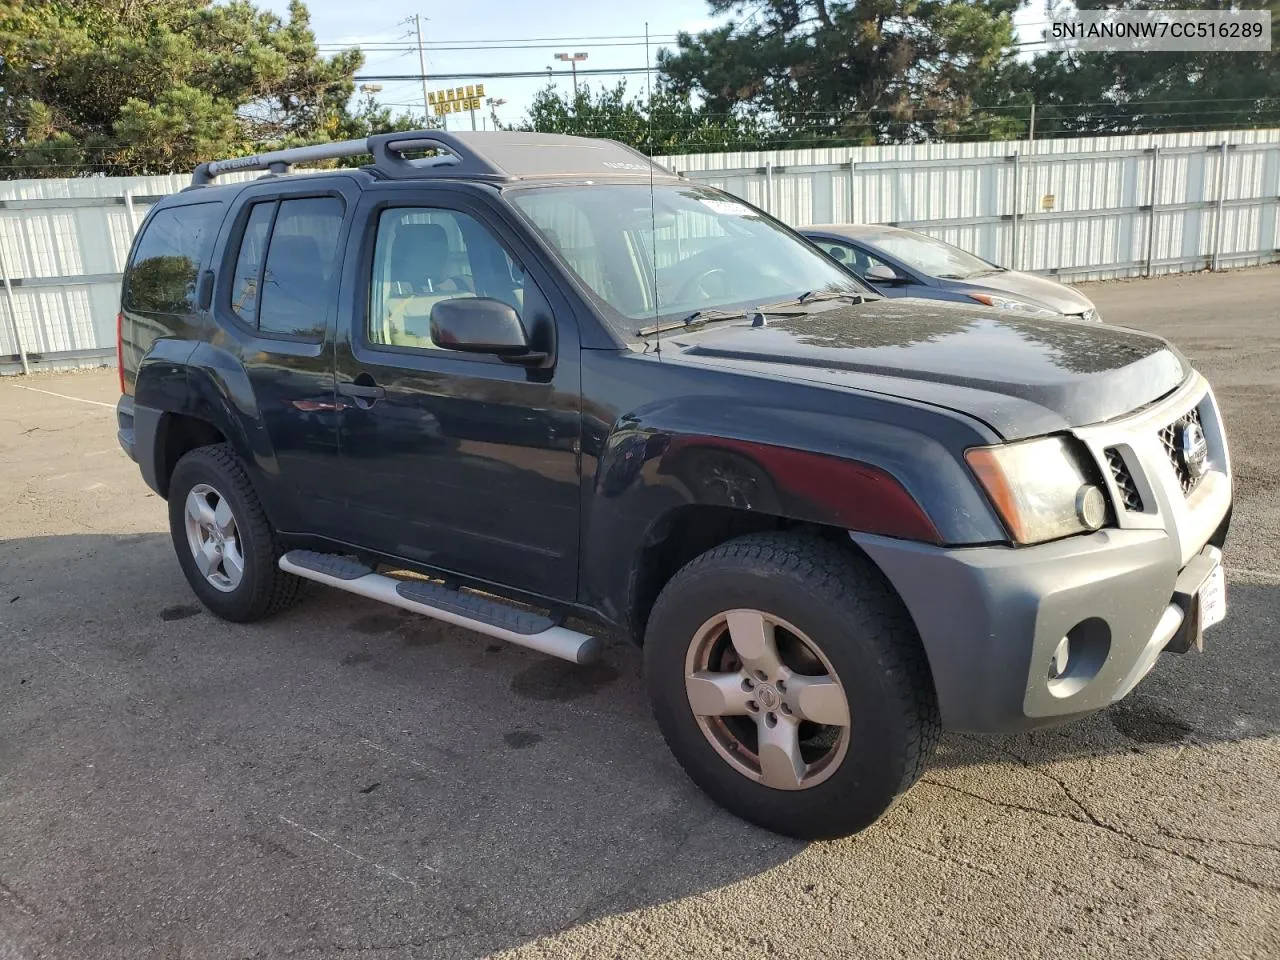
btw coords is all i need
(478, 156)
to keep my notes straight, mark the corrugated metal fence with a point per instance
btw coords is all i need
(1081, 209)
(63, 244)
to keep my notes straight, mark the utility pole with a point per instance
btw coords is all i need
(573, 59)
(422, 65)
(1031, 127)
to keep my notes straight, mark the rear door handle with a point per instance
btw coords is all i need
(362, 391)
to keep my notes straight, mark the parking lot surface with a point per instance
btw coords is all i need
(345, 779)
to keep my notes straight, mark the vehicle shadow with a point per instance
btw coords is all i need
(366, 778)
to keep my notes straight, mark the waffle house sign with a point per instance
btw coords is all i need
(456, 100)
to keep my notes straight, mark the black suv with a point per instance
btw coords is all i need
(507, 379)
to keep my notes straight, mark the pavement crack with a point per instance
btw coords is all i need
(1040, 811)
(1251, 844)
(1098, 824)
(1042, 772)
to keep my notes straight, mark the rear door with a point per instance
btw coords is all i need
(277, 301)
(460, 461)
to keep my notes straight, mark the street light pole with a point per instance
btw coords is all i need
(573, 59)
(494, 103)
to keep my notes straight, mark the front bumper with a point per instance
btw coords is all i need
(991, 619)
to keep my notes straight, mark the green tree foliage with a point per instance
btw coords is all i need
(143, 86)
(861, 71)
(1155, 91)
(664, 123)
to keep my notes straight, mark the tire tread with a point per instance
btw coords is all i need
(839, 575)
(273, 590)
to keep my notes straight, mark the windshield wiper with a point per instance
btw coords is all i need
(816, 296)
(695, 319)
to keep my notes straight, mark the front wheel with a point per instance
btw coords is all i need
(789, 681)
(223, 539)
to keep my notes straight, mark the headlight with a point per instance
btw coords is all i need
(1039, 488)
(1009, 303)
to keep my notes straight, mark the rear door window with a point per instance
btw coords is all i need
(286, 273)
(301, 276)
(253, 244)
(166, 264)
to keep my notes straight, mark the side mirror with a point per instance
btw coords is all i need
(883, 273)
(481, 325)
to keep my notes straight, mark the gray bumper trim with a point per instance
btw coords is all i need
(991, 617)
(138, 430)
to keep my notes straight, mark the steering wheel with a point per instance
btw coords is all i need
(695, 283)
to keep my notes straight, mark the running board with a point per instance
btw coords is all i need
(470, 610)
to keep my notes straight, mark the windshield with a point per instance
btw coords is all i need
(698, 249)
(929, 256)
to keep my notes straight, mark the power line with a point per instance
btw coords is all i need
(458, 48)
(492, 75)
(615, 36)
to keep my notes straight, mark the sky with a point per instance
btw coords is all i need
(539, 29)
(610, 32)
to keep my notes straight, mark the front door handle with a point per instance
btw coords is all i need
(362, 391)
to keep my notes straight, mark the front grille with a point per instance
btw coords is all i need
(1129, 495)
(1169, 439)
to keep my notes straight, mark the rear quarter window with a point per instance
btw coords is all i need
(166, 262)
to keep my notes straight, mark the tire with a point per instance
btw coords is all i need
(214, 475)
(841, 610)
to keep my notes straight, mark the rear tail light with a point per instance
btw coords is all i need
(120, 348)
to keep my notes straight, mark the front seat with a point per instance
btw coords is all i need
(418, 278)
(420, 261)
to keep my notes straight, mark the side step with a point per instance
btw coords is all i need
(481, 614)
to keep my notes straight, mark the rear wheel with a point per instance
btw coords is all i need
(223, 539)
(789, 682)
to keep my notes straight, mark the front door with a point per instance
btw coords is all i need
(459, 461)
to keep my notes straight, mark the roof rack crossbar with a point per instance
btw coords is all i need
(494, 157)
(389, 151)
(278, 160)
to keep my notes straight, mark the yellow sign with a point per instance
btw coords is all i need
(456, 99)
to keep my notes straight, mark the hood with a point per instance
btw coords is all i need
(1022, 377)
(1026, 286)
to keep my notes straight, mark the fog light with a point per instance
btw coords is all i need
(1058, 665)
(1091, 507)
(1078, 657)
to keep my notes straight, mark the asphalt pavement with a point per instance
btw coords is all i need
(345, 779)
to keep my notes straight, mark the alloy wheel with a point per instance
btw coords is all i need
(767, 699)
(214, 538)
